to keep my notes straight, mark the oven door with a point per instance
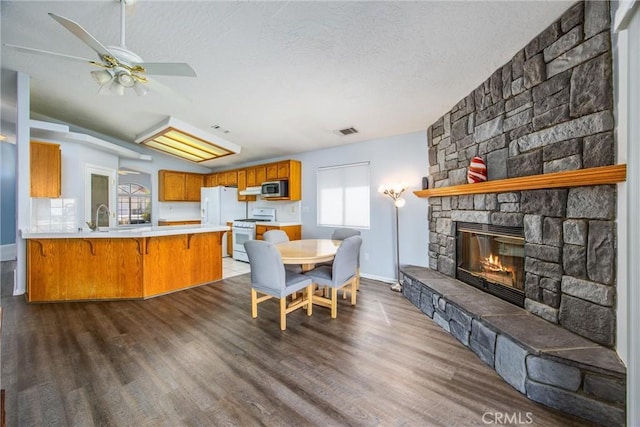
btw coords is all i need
(241, 235)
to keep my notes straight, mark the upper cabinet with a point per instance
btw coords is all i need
(242, 184)
(211, 180)
(193, 183)
(289, 170)
(46, 170)
(176, 186)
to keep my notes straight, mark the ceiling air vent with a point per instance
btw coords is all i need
(348, 131)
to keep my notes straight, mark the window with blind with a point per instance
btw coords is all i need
(343, 195)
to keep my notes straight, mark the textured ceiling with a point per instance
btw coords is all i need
(282, 77)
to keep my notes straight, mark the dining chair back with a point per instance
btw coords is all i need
(342, 274)
(343, 233)
(272, 280)
(275, 236)
(279, 236)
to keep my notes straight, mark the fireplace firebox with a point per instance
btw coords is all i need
(491, 258)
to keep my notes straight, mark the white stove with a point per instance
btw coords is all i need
(245, 229)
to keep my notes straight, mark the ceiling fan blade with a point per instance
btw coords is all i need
(83, 35)
(45, 52)
(158, 87)
(168, 69)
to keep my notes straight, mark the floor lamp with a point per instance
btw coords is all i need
(395, 193)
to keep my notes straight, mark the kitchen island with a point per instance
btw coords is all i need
(133, 263)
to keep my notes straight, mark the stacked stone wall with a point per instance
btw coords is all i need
(547, 110)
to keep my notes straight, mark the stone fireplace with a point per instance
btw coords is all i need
(548, 249)
(547, 110)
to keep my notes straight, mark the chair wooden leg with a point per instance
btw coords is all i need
(358, 279)
(310, 300)
(354, 283)
(254, 303)
(334, 303)
(283, 314)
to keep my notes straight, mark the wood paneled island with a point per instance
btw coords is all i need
(121, 264)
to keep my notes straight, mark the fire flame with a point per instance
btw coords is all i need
(493, 264)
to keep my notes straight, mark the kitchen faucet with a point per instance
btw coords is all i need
(106, 211)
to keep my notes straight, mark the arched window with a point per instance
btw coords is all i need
(134, 204)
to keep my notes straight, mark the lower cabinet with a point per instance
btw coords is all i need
(293, 231)
(120, 268)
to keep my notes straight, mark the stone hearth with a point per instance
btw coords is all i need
(544, 361)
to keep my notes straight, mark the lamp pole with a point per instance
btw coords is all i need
(397, 286)
(395, 193)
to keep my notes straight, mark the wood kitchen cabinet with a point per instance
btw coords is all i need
(231, 178)
(293, 231)
(222, 178)
(176, 186)
(256, 175)
(250, 174)
(121, 268)
(261, 174)
(280, 170)
(46, 169)
(289, 170)
(211, 180)
(193, 183)
(242, 185)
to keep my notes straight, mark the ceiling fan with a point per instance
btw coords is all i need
(120, 67)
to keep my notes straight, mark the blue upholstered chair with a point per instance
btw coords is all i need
(342, 274)
(275, 236)
(272, 280)
(279, 236)
(341, 234)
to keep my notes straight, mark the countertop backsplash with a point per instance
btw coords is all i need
(288, 212)
(55, 215)
(178, 211)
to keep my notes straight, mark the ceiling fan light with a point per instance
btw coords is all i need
(126, 80)
(140, 89)
(116, 87)
(101, 76)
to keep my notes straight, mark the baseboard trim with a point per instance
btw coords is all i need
(8, 252)
(378, 278)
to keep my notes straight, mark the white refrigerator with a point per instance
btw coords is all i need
(219, 205)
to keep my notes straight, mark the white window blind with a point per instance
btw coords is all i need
(343, 195)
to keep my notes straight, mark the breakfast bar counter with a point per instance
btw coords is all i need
(134, 263)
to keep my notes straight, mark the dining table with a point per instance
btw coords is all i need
(308, 252)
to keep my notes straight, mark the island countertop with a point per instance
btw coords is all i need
(124, 233)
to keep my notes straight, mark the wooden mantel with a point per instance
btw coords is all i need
(575, 178)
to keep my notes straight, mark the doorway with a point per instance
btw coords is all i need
(100, 190)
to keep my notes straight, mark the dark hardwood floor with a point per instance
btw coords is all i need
(197, 357)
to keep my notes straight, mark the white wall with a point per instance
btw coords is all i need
(627, 68)
(401, 158)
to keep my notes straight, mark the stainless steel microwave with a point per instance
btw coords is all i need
(275, 189)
